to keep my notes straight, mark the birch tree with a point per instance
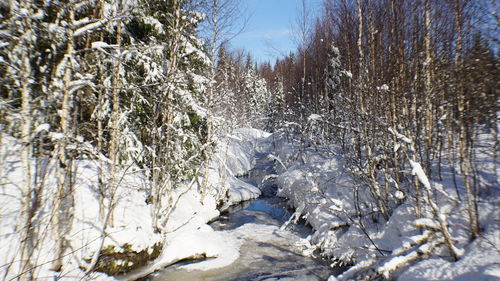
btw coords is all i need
(221, 25)
(63, 168)
(464, 140)
(26, 155)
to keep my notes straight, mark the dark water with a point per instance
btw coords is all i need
(263, 210)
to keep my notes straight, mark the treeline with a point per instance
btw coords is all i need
(243, 97)
(120, 82)
(398, 85)
(131, 85)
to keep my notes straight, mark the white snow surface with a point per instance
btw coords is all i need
(317, 186)
(480, 262)
(235, 157)
(320, 188)
(187, 233)
(132, 224)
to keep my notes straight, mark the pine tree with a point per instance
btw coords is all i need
(257, 95)
(167, 106)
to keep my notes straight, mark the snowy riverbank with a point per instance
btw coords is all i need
(326, 195)
(318, 187)
(187, 234)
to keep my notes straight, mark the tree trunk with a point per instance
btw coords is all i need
(63, 166)
(464, 136)
(161, 162)
(361, 64)
(115, 121)
(210, 97)
(26, 158)
(428, 88)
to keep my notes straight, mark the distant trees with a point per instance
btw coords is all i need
(242, 98)
(386, 69)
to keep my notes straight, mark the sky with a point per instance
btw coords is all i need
(269, 30)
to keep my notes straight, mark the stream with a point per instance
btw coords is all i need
(267, 252)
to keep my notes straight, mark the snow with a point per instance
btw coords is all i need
(317, 185)
(80, 22)
(224, 248)
(399, 195)
(101, 44)
(347, 73)
(89, 27)
(314, 117)
(383, 88)
(419, 172)
(186, 97)
(241, 191)
(42, 127)
(395, 263)
(426, 222)
(321, 190)
(158, 26)
(235, 157)
(480, 262)
(400, 136)
(56, 136)
(132, 223)
(187, 233)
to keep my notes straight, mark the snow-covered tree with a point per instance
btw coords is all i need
(165, 64)
(257, 97)
(275, 107)
(126, 76)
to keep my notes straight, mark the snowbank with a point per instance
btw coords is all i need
(236, 156)
(325, 195)
(240, 148)
(131, 224)
(187, 234)
(480, 262)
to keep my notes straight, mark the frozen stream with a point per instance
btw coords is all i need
(267, 252)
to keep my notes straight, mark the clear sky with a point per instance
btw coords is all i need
(269, 31)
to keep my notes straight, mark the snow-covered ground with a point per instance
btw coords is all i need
(323, 193)
(317, 186)
(132, 220)
(187, 234)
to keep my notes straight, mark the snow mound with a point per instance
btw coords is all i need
(325, 193)
(219, 248)
(131, 224)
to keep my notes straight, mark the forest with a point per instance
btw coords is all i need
(127, 126)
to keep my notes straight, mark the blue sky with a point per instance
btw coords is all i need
(269, 31)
